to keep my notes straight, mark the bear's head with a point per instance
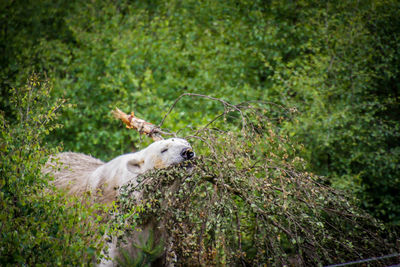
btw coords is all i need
(162, 154)
(168, 152)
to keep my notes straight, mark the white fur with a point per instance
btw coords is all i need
(80, 173)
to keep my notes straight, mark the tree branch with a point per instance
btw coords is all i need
(142, 126)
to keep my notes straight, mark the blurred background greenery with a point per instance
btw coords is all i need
(336, 63)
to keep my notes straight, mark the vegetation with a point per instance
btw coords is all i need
(326, 71)
(250, 202)
(38, 226)
(149, 251)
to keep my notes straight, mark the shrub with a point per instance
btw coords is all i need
(39, 225)
(248, 200)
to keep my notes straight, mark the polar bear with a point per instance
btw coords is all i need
(80, 173)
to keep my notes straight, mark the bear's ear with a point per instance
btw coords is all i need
(134, 165)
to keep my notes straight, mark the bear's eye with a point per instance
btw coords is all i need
(164, 150)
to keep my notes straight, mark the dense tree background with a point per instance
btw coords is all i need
(336, 64)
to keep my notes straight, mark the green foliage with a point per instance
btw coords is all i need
(149, 251)
(334, 64)
(161, 51)
(346, 90)
(33, 38)
(39, 226)
(250, 201)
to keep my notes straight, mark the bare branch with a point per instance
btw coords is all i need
(142, 126)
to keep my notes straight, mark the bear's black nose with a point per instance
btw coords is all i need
(187, 153)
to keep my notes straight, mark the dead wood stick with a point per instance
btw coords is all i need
(140, 125)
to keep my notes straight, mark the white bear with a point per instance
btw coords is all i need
(80, 173)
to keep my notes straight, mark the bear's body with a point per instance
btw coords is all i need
(80, 173)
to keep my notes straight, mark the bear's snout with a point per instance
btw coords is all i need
(187, 153)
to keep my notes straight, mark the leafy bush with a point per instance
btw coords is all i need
(39, 226)
(149, 252)
(249, 201)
